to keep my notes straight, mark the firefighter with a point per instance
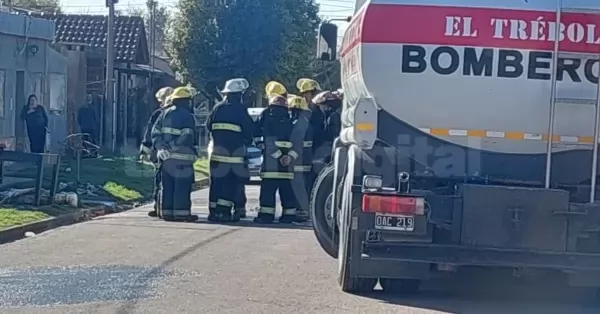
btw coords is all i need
(330, 104)
(147, 150)
(176, 141)
(231, 129)
(301, 137)
(309, 88)
(275, 127)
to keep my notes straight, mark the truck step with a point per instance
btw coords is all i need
(579, 55)
(576, 101)
(581, 10)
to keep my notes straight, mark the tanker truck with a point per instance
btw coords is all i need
(469, 141)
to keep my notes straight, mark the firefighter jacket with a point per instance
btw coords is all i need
(147, 148)
(275, 127)
(317, 122)
(231, 129)
(175, 132)
(333, 125)
(302, 136)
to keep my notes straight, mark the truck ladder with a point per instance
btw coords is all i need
(554, 100)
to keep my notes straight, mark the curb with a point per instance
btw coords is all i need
(84, 214)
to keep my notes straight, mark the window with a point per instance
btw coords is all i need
(2, 80)
(58, 91)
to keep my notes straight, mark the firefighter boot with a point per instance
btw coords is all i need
(302, 216)
(240, 212)
(287, 219)
(264, 218)
(223, 215)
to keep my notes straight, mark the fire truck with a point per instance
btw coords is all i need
(469, 140)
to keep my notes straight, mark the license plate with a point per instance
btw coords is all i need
(394, 222)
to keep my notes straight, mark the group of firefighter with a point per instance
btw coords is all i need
(295, 133)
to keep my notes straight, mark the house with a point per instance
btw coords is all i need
(29, 65)
(82, 38)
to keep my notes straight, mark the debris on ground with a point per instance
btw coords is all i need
(67, 194)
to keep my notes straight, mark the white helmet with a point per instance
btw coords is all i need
(236, 85)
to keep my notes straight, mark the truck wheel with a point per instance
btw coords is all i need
(404, 286)
(320, 200)
(347, 282)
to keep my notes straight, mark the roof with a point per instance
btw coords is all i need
(90, 30)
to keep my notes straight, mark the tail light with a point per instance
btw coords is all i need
(391, 204)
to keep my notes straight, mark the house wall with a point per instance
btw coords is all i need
(26, 62)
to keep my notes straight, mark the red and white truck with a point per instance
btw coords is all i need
(468, 141)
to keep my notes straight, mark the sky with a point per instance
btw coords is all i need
(328, 8)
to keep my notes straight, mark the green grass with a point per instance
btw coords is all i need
(201, 168)
(10, 217)
(123, 178)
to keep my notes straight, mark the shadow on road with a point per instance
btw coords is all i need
(246, 223)
(494, 297)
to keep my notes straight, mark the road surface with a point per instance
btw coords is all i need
(130, 263)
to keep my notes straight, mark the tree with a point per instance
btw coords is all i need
(213, 41)
(161, 24)
(45, 6)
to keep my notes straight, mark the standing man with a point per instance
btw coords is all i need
(175, 138)
(231, 129)
(301, 137)
(147, 150)
(275, 127)
(86, 117)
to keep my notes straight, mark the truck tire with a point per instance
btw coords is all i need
(347, 282)
(403, 286)
(320, 194)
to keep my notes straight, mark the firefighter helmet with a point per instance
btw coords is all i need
(297, 102)
(162, 94)
(307, 85)
(236, 85)
(179, 93)
(274, 88)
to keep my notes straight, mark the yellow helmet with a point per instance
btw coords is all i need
(274, 89)
(306, 85)
(297, 102)
(180, 92)
(163, 93)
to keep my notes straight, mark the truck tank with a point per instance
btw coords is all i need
(465, 86)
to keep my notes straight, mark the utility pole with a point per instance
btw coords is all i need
(110, 75)
(152, 10)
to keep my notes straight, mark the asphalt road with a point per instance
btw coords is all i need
(130, 263)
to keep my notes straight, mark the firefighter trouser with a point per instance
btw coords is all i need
(225, 185)
(157, 179)
(268, 189)
(176, 183)
(302, 185)
(240, 200)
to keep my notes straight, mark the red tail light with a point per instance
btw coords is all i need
(389, 204)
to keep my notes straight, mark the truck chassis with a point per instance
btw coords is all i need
(467, 224)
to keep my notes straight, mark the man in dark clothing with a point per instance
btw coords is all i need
(175, 138)
(231, 129)
(333, 121)
(86, 117)
(147, 150)
(275, 127)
